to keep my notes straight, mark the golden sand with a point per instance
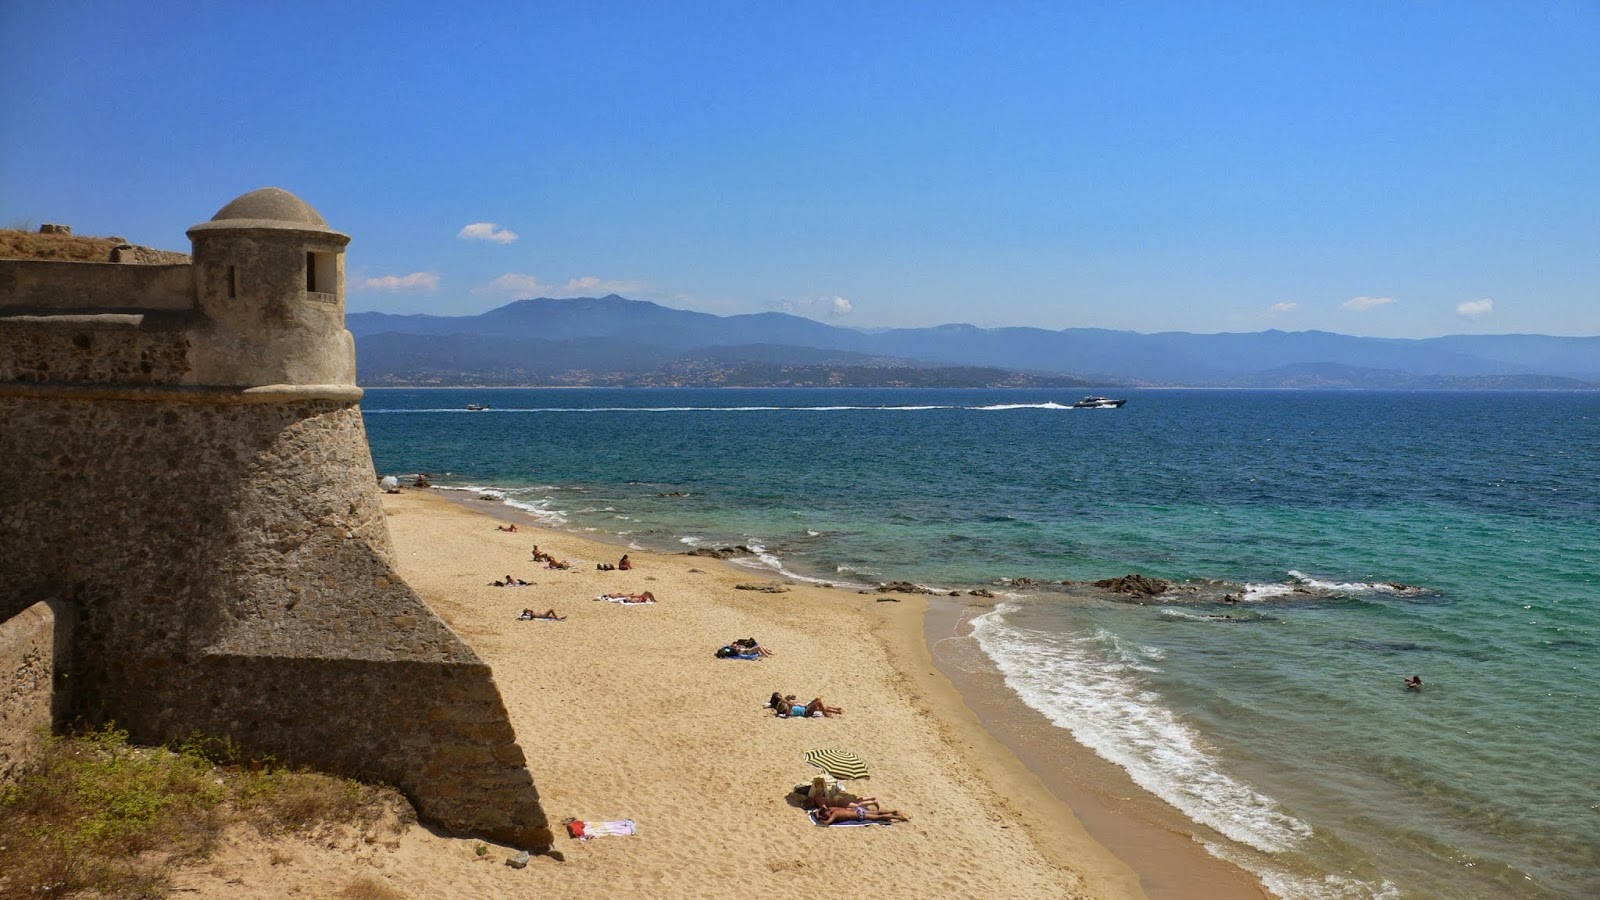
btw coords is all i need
(625, 713)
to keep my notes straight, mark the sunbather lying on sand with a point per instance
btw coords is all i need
(786, 707)
(552, 563)
(749, 645)
(645, 597)
(547, 614)
(512, 582)
(510, 528)
(858, 813)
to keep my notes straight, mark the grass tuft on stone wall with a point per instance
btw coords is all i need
(96, 815)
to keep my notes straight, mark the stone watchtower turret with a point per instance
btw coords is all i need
(269, 275)
(190, 478)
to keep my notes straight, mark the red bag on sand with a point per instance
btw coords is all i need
(575, 829)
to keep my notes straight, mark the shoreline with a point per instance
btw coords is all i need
(1080, 806)
(1162, 846)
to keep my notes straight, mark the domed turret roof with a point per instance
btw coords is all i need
(267, 207)
(273, 205)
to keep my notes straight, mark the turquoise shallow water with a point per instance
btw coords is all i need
(1284, 727)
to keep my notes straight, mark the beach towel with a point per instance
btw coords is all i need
(616, 828)
(816, 819)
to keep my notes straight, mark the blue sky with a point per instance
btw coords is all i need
(1375, 168)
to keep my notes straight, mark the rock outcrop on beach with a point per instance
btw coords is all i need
(1135, 585)
(769, 587)
(903, 587)
(721, 552)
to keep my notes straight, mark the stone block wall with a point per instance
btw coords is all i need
(233, 576)
(34, 654)
(188, 471)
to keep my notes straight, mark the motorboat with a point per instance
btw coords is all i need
(1098, 403)
(477, 407)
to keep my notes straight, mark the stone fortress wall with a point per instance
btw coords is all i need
(190, 477)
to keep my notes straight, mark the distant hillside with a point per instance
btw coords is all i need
(610, 340)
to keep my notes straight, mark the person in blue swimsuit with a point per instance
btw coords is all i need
(786, 707)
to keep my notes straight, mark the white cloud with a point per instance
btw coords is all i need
(416, 281)
(487, 231)
(1280, 308)
(1366, 302)
(590, 286)
(833, 307)
(1472, 309)
(515, 283)
(587, 286)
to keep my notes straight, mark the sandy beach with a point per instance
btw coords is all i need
(625, 713)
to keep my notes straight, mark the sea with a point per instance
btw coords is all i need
(1325, 544)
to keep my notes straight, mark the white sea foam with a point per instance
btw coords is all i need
(1349, 587)
(1090, 684)
(994, 407)
(1003, 407)
(1254, 593)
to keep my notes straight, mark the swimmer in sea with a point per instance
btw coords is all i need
(1414, 683)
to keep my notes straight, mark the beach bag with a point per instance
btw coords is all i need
(724, 652)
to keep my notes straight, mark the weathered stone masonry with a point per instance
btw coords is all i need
(190, 474)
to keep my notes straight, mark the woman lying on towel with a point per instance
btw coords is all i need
(749, 645)
(645, 597)
(786, 707)
(860, 813)
(548, 615)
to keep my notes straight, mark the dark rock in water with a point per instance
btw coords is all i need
(1135, 585)
(981, 592)
(771, 587)
(721, 552)
(902, 587)
(955, 593)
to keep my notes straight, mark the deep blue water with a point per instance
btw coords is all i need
(1284, 726)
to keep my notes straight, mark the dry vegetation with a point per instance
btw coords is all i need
(21, 244)
(99, 817)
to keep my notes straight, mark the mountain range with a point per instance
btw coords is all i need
(614, 340)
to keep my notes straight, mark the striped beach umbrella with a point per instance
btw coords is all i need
(838, 763)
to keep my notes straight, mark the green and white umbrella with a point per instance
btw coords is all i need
(838, 763)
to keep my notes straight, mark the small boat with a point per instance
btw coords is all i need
(1098, 403)
(477, 407)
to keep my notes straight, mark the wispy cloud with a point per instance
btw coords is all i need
(587, 286)
(1281, 308)
(1360, 303)
(1473, 309)
(515, 283)
(416, 281)
(831, 306)
(590, 286)
(487, 231)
